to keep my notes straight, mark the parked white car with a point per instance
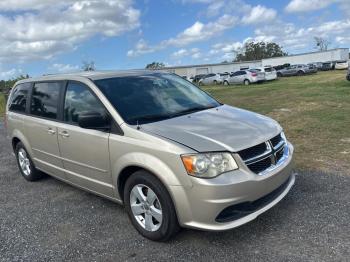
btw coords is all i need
(224, 76)
(341, 65)
(270, 72)
(211, 79)
(245, 77)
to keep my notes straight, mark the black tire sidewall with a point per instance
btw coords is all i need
(169, 224)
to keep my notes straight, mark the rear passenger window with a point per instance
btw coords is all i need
(19, 97)
(78, 100)
(45, 99)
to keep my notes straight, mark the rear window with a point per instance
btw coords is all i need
(45, 99)
(269, 69)
(19, 97)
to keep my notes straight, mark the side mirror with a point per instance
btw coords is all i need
(94, 120)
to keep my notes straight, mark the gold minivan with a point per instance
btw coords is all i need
(172, 154)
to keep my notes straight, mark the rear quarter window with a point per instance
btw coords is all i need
(19, 97)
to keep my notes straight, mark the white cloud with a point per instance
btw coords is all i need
(180, 53)
(51, 27)
(226, 51)
(64, 68)
(15, 5)
(309, 5)
(259, 14)
(194, 53)
(195, 33)
(200, 32)
(294, 38)
(12, 73)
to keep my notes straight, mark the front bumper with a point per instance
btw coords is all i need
(200, 206)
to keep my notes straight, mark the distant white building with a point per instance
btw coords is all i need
(324, 56)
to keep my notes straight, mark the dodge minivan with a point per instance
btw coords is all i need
(167, 150)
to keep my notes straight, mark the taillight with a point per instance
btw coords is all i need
(254, 74)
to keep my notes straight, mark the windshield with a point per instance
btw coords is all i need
(154, 97)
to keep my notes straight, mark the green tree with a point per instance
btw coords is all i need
(155, 66)
(5, 85)
(259, 50)
(88, 66)
(321, 43)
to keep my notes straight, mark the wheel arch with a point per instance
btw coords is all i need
(17, 137)
(132, 162)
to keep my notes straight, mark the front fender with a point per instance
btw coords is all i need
(154, 165)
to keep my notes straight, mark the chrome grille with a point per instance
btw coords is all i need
(266, 156)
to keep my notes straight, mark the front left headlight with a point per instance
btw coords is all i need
(208, 165)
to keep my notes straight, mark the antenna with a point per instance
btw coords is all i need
(137, 125)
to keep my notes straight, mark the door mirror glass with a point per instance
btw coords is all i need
(94, 120)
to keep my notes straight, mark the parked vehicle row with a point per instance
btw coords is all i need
(266, 73)
(296, 70)
(245, 77)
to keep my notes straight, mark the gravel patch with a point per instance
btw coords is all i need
(52, 221)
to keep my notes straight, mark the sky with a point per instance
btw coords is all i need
(50, 36)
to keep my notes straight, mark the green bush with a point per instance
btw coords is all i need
(2, 104)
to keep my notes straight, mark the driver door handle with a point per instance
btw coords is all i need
(64, 134)
(51, 131)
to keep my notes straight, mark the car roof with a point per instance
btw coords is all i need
(92, 75)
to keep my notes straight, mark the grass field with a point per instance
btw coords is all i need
(314, 111)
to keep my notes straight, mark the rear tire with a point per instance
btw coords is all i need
(348, 77)
(147, 201)
(300, 73)
(25, 164)
(215, 82)
(246, 82)
(279, 74)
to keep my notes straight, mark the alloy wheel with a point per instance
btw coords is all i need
(146, 208)
(24, 162)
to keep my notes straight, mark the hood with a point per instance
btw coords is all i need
(224, 128)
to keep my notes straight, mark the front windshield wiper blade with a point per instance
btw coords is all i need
(192, 110)
(148, 118)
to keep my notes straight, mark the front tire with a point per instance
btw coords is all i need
(25, 164)
(226, 83)
(301, 73)
(150, 207)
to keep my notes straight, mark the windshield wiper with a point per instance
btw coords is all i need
(148, 118)
(192, 110)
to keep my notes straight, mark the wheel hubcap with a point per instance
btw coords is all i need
(146, 208)
(24, 162)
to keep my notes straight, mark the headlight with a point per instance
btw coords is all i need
(208, 165)
(283, 136)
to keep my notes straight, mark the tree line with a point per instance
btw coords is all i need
(6, 85)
